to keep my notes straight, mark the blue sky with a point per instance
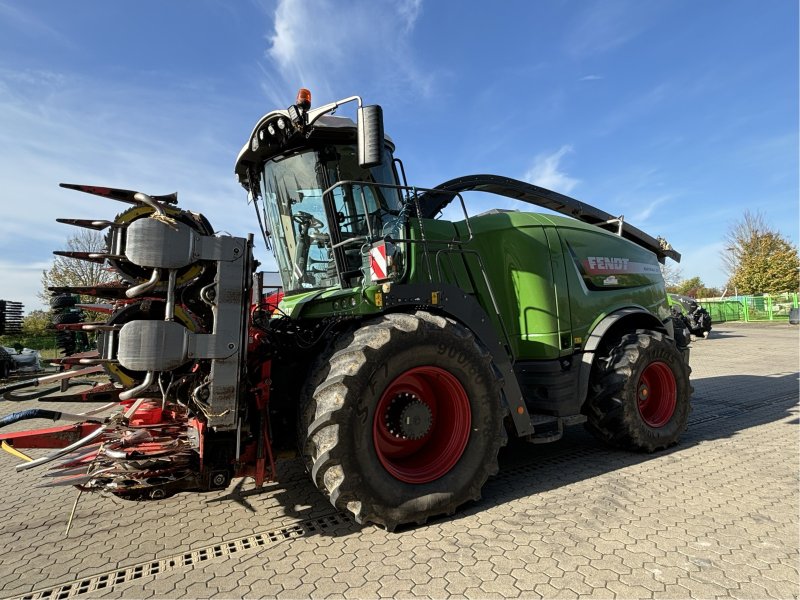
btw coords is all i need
(678, 114)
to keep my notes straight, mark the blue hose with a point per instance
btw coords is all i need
(32, 413)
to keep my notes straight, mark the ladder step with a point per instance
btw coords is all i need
(548, 428)
(538, 420)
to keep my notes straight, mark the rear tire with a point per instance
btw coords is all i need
(62, 301)
(640, 393)
(405, 421)
(68, 318)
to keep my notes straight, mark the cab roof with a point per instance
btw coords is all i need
(335, 128)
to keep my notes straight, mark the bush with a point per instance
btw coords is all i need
(36, 342)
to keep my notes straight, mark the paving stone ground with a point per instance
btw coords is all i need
(716, 516)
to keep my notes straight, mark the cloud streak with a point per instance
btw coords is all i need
(59, 128)
(547, 172)
(28, 23)
(326, 46)
(604, 26)
(644, 213)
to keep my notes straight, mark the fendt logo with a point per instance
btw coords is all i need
(598, 264)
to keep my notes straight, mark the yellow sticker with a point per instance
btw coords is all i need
(434, 297)
(378, 299)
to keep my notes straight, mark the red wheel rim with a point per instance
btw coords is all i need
(422, 425)
(657, 394)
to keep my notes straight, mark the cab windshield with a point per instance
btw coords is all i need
(295, 214)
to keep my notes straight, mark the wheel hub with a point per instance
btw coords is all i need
(657, 394)
(415, 420)
(422, 424)
(408, 417)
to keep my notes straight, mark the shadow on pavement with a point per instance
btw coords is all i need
(579, 456)
(752, 401)
(715, 335)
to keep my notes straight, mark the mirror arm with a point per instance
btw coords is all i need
(315, 114)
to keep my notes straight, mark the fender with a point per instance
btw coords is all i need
(601, 329)
(450, 300)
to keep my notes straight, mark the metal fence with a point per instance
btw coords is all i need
(763, 307)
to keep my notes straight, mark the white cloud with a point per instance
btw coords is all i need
(592, 78)
(56, 128)
(644, 212)
(327, 46)
(546, 172)
(603, 26)
(29, 23)
(409, 12)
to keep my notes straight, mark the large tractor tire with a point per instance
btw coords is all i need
(62, 301)
(68, 318)
(402, 420)
(640, 393)
(67, 341)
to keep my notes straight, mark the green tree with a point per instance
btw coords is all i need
(35, 333)
(759, 259)
(36, 323)
(694, 288)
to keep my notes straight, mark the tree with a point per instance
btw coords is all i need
(694, 288)
(759, 259)
(672, 275)
(36, 323)
(73, 272)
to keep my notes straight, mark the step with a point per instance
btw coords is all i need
(547, 428)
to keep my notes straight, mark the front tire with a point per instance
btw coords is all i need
(640, 393)
(405, 420)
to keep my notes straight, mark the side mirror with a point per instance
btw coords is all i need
(370, 136)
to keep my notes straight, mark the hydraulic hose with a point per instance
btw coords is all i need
(10, 387)
(63, 451)
(43, 413)
(23, 397)
(33, 413)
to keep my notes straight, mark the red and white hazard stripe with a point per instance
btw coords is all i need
(377, 263)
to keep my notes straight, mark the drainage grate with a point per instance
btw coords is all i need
(107, 581)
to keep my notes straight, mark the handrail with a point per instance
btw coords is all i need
(452, 246)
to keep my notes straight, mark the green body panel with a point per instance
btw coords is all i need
(606, 273)
(515, 256)
(553, 279)
(332, 302)
(545, 281)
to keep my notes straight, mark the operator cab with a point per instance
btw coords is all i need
(323, 193)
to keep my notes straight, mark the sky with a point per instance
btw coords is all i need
(678, 114)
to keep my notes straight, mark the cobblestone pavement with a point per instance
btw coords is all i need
(715, 516)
